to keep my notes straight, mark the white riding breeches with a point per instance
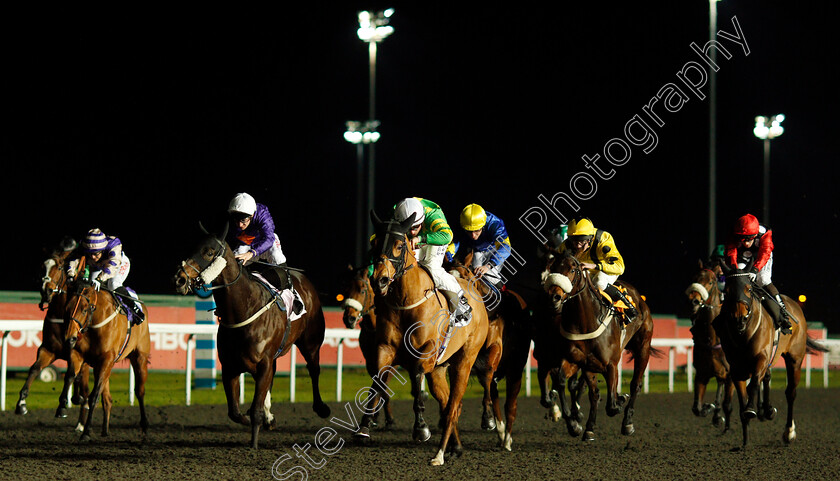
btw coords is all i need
(602, 280)
(765, 275)
(494, 275)
(273, 255)
(431, 257)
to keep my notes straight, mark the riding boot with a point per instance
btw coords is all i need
(617, 295)
(777, 309)
(459, 307)
(139, 317)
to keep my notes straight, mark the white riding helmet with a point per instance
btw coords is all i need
(243, 203)
(406, 207)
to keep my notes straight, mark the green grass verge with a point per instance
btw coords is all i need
(167, 388)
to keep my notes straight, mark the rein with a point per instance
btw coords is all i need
(583, 283)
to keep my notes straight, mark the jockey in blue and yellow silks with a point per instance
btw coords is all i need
(487, 236)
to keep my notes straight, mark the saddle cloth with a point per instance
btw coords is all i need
(618, 304)
(288, 296)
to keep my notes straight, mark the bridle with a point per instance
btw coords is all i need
(398, 262)
(48, 291)
(208, 270)
(752, 295)
(577, 288)
(360, 306)
(82, 288)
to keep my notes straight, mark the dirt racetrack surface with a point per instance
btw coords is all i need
(199, 442)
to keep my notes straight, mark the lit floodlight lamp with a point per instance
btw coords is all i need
(374, 28)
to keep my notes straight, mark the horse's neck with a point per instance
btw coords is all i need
(237, 284)
(588, 305)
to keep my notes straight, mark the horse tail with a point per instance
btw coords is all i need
(814, 347)
(655, 352)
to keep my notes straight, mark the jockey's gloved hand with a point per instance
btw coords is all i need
(753, 273)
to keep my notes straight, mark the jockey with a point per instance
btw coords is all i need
(429, 237)
(752, 241)
(108, 265)
(596, 251)
(486, 235)
(253, 240)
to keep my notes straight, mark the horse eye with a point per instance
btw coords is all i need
(207, 253)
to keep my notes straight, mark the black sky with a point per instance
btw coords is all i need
(143, 122)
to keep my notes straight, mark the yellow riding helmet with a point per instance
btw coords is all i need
(581, 227)
(473, 217)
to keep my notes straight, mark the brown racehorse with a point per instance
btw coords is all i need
(95, 315)
(752, 344)
(588, 333)
(53, 297)
(359, 310)
(709, 360)
(254, 329)
(412, 323)
(507, 347)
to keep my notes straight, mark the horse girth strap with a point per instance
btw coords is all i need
(429, 294)
(252, 318)
(590, 335)
(107, 320)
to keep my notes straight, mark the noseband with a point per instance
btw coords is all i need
(91, 308)
(398, 262)
(208, 270)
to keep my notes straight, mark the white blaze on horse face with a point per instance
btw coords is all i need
(213, 270)
(558, 280)
(48, 264)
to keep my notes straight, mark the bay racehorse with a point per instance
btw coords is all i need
(53, 297)
(359, 310)
(752, 345)
(98, 327)
(254, 328)
(507, 346)
(709, 360)
(412, 329)
(589, 334)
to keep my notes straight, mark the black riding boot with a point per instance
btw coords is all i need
(776, 307)
(617, 295)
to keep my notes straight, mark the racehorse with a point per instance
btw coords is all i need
(254, 328)
(94, 316)
(752, 344)
(53, 297)
(588, 333)
(413, 327)
(507, 346)
(359, 310)
(709, 360)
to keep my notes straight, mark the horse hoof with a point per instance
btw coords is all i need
(508, 443)
(574, 428)
(789, 434)
(85, 438)
(438, 459)
(770, 414)
(61, 412)
(589, 436)
(21, 409)
(77, 399)
(749, 413)
(718, 421)
(421, 435)
(322, 410)
(362, 434)
(628, 429)
(622, 399)
(488, 423)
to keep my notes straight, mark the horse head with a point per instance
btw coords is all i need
(563, 278)
(741, 297)
(205, 265)
(358, 296)
(391, 253)
(81, 305)
(703, 290)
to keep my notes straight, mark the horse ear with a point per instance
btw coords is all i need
(377, 223)
(225, 231)
(349, 267)
(700, 263)
(406, 224)
(201, 226)
(725, 268)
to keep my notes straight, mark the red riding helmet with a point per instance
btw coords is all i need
(746, 226)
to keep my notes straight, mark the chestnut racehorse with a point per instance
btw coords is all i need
(752, 344)
(53, 297)
(507, 347)
(588, 333)
(709, 360)
(93, 315)
(412, 327)
(254, 329)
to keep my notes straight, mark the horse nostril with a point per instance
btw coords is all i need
(558, 298)
(383, 282)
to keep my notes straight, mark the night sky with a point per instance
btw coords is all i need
(142, 123)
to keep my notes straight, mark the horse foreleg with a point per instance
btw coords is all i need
(312, 356)
(768, 411)
(640, 363)
(107, 403)
(385, 356)
(594, 400)
(698, 408)
(420, 432)
(74, 364)
(101, 374)
(488, 417)
(459, 372)
(139, 363)
(741, 389)
(262, 383)
(794, 371)
(44, 359)
(548, 397)
(729, 391)
(231, 383)
(613, 401)
(572, 423)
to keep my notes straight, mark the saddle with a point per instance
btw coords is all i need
(618, 305)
